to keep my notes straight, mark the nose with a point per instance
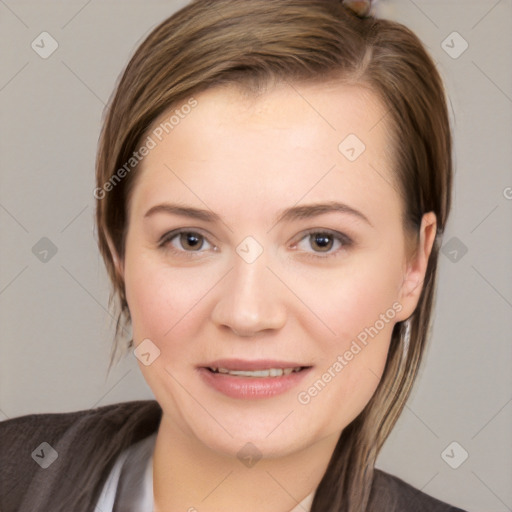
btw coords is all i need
(250, 300)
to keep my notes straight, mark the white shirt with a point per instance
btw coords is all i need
(129, 486)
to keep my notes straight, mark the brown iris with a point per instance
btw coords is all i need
(191, 241)
(323, 241)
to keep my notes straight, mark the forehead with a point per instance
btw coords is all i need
(323, 141)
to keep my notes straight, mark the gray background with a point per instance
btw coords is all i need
(55, 327)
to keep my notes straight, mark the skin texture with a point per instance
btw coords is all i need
(246, 158)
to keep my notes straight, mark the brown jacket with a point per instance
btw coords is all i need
(87, 444)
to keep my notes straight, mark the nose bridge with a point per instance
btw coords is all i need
(250, 279)
(251, 299)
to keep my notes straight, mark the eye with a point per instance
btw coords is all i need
(185, 241)
(323, 242)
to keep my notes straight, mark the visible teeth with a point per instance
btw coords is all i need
(271, 372)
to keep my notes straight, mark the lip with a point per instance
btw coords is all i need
(251, 387)
(246, 365)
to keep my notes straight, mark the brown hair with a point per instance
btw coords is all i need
(250, 44)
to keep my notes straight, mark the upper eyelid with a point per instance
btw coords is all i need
(333, 232)
(165, 239)
(169, 235)
(342, 237)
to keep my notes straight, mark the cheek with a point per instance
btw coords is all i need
(151, 308)
(359, 305)
(165, 303)
(355, 298)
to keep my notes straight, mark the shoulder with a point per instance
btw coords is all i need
(105, 419)
(108, 414)
(39, 450)
(399, 496)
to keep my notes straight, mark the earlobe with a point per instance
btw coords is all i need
(416, 268)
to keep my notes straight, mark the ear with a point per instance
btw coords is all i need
(416, 267)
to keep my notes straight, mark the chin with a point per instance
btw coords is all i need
(269, 432)
(250, 441)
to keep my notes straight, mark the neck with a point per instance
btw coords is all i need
(188, 476)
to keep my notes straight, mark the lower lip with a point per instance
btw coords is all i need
(251, 387)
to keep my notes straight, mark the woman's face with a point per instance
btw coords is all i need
(266, 233)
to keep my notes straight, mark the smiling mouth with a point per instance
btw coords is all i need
(259, 374)
(250, 380)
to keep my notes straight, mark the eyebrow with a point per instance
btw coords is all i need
(289, 214)
(313, 210)
(183, 211)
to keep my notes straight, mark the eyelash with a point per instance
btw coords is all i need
(346, 242)
(165, 241)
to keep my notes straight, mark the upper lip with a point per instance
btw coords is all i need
(256, 364)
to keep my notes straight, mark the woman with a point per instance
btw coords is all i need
(273, 181)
